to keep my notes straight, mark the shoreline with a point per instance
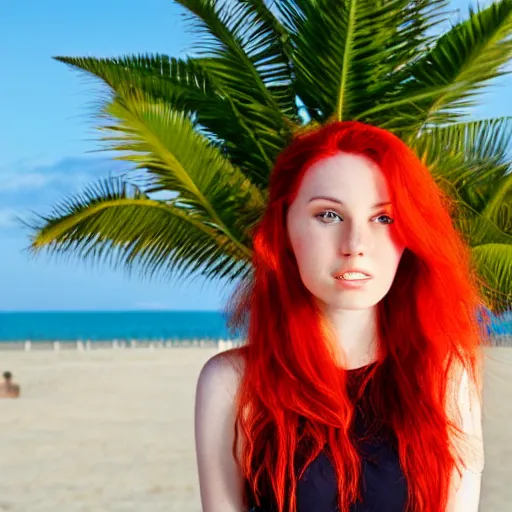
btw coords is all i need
(504, 341)
(118, 344)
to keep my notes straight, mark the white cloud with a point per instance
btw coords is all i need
(70, 172)
(10, 181)
(31, 186)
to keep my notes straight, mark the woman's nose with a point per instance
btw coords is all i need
(354, 241)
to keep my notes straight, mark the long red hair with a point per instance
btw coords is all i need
(427, 326)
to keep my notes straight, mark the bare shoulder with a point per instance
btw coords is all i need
(467, 410)
(220, 479)
(222, 372)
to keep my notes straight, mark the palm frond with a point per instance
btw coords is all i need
(443, 84)
(266, 32)
(187, 87)
(115, 221)
(499, 205)
(477, 229)
(244, 55)
(470, 156)
(494, 263)
(346, 52)
(180, 81)
(163, 143)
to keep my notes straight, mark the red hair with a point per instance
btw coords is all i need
(427, 326)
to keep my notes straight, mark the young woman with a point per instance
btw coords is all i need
(359, 387)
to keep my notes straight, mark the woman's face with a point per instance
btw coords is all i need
(352, 230)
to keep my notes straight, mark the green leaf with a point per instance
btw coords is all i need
(477, 229)
(441, 86)
(180, 81)
(114, 221)
(187, 87)
(468, 159)
(245, 56)
(348, 54)
(163, 143)
(499, 206)
(494, 262)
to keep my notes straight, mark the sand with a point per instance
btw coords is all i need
(112, 430)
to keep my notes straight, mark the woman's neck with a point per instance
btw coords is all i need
(355, 335)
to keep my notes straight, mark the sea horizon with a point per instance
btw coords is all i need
(136, 325)
(108, 325)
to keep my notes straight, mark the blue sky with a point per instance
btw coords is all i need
(48, 138)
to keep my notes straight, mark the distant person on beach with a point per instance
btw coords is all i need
(8, 389)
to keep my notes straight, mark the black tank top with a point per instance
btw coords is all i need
(383, 484)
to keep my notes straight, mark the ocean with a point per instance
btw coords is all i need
(113, 325)
(136, 325)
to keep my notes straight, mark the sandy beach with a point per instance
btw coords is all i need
(112, 430)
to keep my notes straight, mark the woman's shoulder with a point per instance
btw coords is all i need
(219, 476)
(465, 408)
(223, 371)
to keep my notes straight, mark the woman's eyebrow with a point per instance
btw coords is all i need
(334, 200)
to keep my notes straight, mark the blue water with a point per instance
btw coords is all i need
(135, 325)
(501, 324)
(110, 325)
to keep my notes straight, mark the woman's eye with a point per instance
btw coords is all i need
(389, 219)
(322, 215)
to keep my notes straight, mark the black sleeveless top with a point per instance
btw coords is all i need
(383, 484)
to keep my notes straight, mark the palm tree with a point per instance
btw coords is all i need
(206, 129)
